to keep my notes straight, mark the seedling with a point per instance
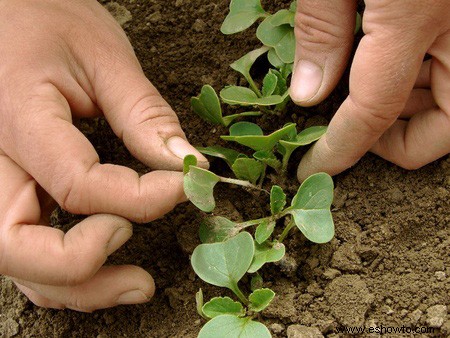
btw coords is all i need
(228, 253)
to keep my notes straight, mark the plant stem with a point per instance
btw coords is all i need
(253, 86)
(239, 294)
(242, 183)
(286, 230)
(263, 175)
(286, 158)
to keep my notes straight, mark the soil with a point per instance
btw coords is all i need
(389, 263)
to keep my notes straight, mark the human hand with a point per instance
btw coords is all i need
(63, 60)
(398, 106)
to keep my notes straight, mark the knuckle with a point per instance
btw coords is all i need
(375, 117)
(313, 30)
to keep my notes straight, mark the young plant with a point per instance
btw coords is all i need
(228, 253)
(224, 264)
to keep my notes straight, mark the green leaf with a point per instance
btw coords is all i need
(229, 155)
(199, 302)
(243, 13)
(264, 231)
(258, 142)
(198, 186)
(281, 81)
(229, 326)
(293, 6)
(260, 299)
(264, 253)
(274, 59)
(268, 158)
(311, 208)
(269, 84)
(187, 162)
(222, 306)
(245, 63)
(256, 282)
(207, 105)
(243, 96)
(277, 199)
(217, 229)
(230, 118)
(281, 38)
(248, 169)
(245, 129)
(283, 17)
(224, 264)
(304, 138)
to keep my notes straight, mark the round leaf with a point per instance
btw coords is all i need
(245, 63)
(260, 299)
(277, 199)
(198, 186)
(229, 326)
(311, 208)
(281, 38)
(265, 253)
(216, 229)
(274, 59)
(222, 306)
(283, 17)
(264, 231)
(304, 138)
(259, 142)
(229, 155)
(247, 169)
(243, 13)
(269, 84)
(245, 129)
(207, 105)
(223, 264)
(244, 96)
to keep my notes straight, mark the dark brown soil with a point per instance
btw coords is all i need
(389, 262)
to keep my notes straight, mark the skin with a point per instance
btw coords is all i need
(61, 61)
(399, 105)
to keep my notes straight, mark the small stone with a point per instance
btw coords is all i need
(440, 275)
(119, 12)
(387, 309)
(10, 327)
(436, 315)
(331, 273)
(154, 17)
(415, 316)
(179, 3)
(276, 328)
(199, 26)
(301, 331)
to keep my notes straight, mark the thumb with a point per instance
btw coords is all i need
(324, 36)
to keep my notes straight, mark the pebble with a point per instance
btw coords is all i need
(301, 331)
(331, 273)
(119, 12)
(11, 327)
(276, 328)
(436, 315)
(199, 26)
(415, 316)
(440, 275)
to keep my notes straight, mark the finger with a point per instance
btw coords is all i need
(46, 145)
(136, 111)
(384, 70)
(38, 299)
(111, 286)
(324, 35)
(418, 101)
(419, 141)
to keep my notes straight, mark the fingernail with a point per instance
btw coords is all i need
(180, 148)
(118, 239)
(306, 81)
(132, 297)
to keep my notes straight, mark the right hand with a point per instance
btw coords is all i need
(63, 60)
